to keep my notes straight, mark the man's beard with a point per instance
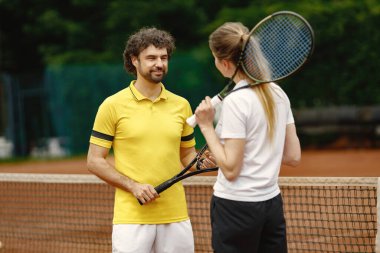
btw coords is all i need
(152, 77)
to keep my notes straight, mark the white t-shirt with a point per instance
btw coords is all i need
(243, 117)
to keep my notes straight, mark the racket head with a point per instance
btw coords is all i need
(277, 47)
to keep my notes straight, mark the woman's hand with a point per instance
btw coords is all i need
(207, 161)
(205, 113)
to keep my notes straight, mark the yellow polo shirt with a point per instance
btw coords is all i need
(146, 138)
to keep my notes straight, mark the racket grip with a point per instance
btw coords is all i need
(162, 187)
(191, 121)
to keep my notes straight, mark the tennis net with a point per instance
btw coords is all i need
(73, 213)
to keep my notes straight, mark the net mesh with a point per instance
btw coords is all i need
(73, 213)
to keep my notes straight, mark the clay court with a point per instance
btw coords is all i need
(319, 163)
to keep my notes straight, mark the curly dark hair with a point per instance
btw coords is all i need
(141, 40)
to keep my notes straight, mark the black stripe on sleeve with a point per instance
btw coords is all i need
(102, 136)
(188, 137)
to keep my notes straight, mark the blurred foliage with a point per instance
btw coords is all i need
(35, 34)
(75, 93)
(78, 44)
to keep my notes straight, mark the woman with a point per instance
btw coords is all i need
(254, 136)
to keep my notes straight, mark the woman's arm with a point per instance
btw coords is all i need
(292, 148)
(229, 157)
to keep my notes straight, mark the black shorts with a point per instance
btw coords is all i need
(248, 227)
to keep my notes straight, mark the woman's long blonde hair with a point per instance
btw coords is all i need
(226, 43)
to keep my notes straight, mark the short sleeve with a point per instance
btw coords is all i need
(103, 131)
(233, 119)
(187, 136)
(289, 118)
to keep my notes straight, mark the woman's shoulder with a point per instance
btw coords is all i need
(241, 97)
(278, 91)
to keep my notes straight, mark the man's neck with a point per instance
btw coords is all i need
(148, 89)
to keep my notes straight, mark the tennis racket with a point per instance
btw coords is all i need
(197, 161)
(276, 48)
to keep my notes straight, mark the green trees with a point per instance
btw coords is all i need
(342, 70)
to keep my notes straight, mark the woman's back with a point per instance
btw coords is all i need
(243, 117)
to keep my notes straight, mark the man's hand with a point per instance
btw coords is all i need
(145, 193)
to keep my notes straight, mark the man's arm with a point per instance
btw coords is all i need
(99, 166)
(187, 155)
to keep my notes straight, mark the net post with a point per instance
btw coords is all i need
(377, 250)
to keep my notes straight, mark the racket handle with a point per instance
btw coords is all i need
(191, 121)
(165, 185)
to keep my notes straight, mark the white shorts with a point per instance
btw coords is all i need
(157, 238)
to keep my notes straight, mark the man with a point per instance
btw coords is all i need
(146, 126)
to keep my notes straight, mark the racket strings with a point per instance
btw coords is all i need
(277, 48)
